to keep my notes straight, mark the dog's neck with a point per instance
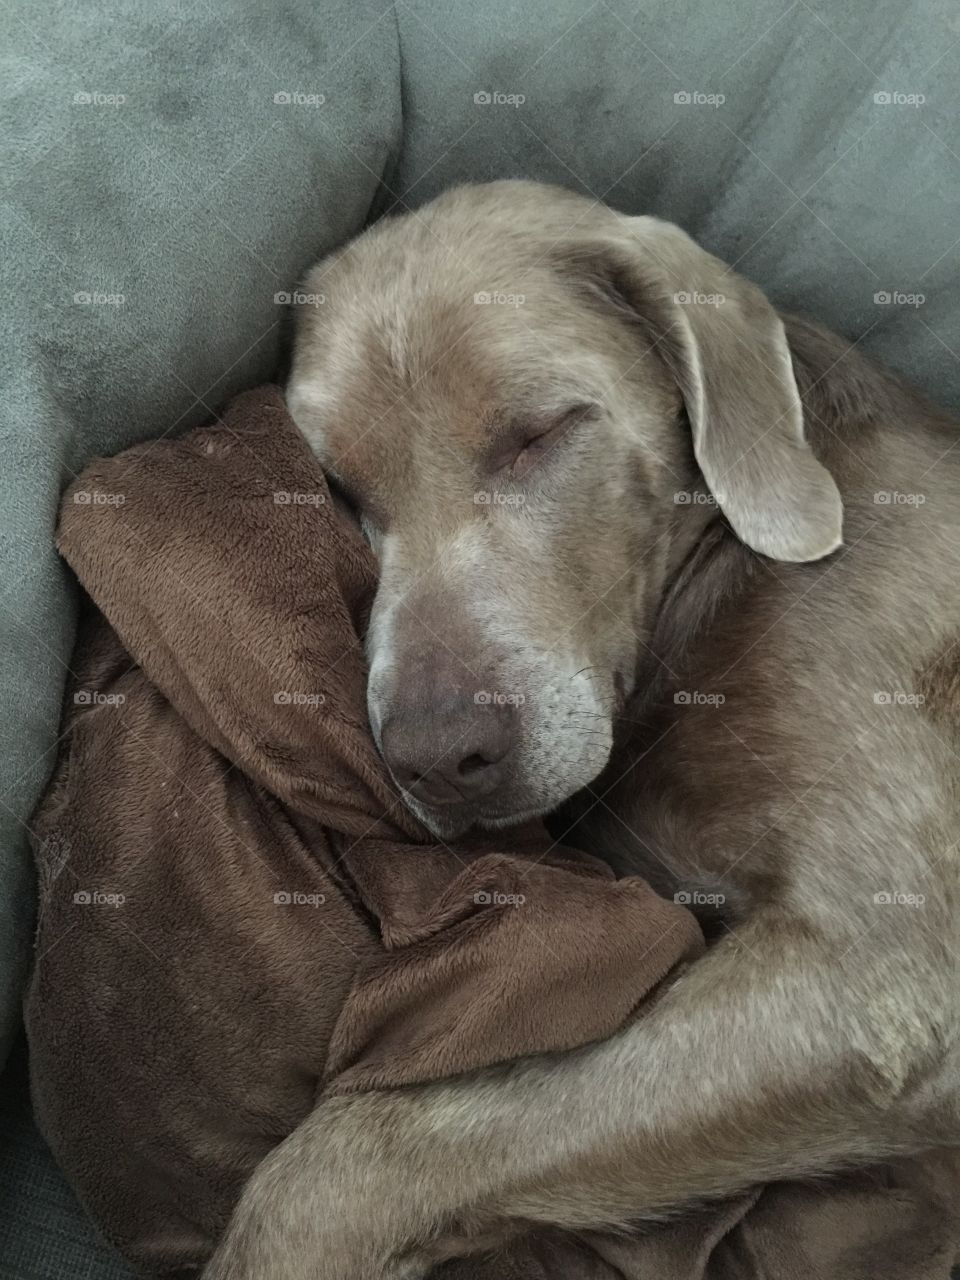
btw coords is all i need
(703, 566)
(699, 565)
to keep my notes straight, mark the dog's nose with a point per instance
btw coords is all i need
(458, 755)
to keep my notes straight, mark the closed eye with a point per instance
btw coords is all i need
(544, 435)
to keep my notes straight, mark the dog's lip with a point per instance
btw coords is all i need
(513, 818)
(465, 816)
(474, 816)
(441, 806)
(433, 806)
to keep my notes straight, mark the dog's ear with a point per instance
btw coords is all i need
(726, 347)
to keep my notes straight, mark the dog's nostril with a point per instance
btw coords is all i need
(472, 764)
(454, 756)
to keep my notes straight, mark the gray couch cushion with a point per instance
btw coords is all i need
(44, 1233)
(822, 195)
(160, 200)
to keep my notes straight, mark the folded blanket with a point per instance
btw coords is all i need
(898, 1222)
(236, 910)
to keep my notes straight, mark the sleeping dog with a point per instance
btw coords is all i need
(644, 543)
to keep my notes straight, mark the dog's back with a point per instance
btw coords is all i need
(794, 745)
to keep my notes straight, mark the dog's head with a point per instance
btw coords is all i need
(535, 405)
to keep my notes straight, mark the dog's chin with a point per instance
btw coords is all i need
(452, 823)
(497, 822)
(456, 821)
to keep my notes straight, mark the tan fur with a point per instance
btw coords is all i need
(821, 1029)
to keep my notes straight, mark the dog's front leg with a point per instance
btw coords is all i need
(767, 1059)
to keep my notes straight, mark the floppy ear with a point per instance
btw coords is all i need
(727, 349)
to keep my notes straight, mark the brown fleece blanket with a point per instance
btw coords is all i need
(237, 913)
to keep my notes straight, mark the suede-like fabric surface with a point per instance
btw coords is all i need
(898, 1222)
(236, 909)
(238, 914)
